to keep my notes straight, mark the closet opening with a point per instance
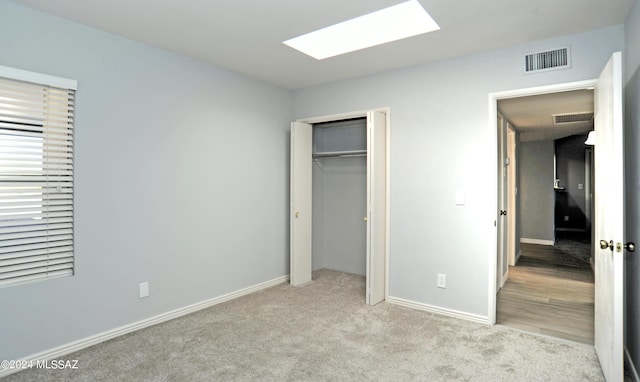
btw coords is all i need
(339, 198)
(339, 201)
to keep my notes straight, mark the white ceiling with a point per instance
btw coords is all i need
(246, 35)
(533, 116)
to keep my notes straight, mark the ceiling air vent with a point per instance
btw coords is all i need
(548, 60)
(572, 118)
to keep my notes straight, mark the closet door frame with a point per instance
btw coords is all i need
(385, 213)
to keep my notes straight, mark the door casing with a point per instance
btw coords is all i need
(503, 221)
(609, 214)
(511, 195)
(493, 206)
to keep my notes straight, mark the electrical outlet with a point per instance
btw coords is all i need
(143, 289)
(580, 186)
(442, 280)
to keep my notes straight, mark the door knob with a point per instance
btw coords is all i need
(631, 247)
(606, 244)
(366, 219)
(297, 213)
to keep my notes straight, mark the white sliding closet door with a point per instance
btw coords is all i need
(376, 206)
(301, 202)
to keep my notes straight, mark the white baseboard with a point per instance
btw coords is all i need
(438, 310)
(536, 241)
(630, 365)
(71, 347)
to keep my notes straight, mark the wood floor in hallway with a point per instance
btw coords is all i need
(548, 292)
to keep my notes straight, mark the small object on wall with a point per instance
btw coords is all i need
(143, 290)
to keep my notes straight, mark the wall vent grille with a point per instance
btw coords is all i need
(572, 118)
(548, 60)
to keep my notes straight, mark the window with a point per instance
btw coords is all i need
(36, 176)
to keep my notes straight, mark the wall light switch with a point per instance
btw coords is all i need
(580, 186)
(459, 198)
(442, 280)
(144, 289)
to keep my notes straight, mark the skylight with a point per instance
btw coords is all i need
(389, 24)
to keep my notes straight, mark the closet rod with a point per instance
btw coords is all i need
(341, 154)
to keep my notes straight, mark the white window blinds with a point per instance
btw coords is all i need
(36, 180)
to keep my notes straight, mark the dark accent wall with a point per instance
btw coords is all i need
(536, 190)
(570, 207)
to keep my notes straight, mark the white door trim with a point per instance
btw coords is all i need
(363, 114)
(493, 205)
(511, 195)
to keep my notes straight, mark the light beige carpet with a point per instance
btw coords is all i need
(323, 331)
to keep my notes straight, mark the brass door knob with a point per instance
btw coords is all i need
(606, 244)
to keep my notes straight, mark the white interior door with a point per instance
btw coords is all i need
(609, 220)
(376, 206)
(301, 202)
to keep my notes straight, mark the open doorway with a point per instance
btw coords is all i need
(608, 209)
(546, 284)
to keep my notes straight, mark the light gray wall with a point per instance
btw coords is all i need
(339, 233)
(181, 175)
(537, 196)
(442, 141)
(632, 180)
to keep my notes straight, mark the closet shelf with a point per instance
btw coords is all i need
(350, 153)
